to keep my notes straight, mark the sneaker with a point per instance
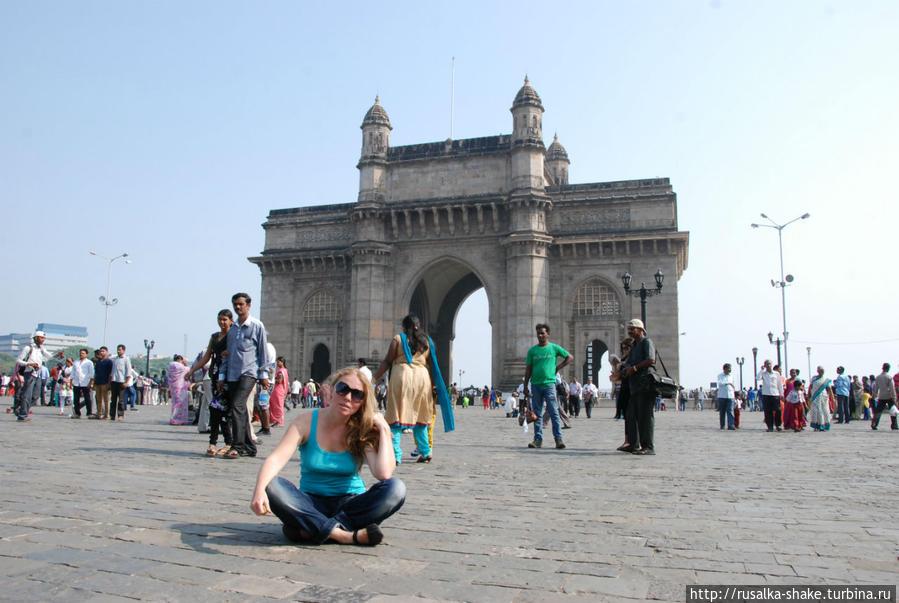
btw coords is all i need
(264, 432)
(560, 444)
(535, 444)
(415, 452)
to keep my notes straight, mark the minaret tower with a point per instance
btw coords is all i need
(373, 162)
(557, 162)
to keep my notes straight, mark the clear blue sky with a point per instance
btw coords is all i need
(170, 129)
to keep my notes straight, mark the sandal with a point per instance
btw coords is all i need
(375, 535)
(210, 451)
(424, 459)
(222, 451)
(231, 454)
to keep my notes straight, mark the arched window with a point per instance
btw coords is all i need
(321, 306)
(594, 298)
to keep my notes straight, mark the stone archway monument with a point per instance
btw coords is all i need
(435, 222)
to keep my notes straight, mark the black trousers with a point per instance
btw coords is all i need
(116, 399)
(82, 397)
(219, 420)
(640, 420)
(588, 406)
(883, 405)
(238, 395)
(773, 414)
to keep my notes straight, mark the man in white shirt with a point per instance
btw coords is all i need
(119, 379)
(364, 369)
(726, 397)
(295, 389)
(590, 393)
(29, 363)
(574, 396)
(772, 392)
(82, 382)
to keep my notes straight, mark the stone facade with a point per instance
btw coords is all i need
(435, 222)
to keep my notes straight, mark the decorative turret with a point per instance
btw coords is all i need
(527, 139)
(373, 162)
(527, 115)
(557, 162)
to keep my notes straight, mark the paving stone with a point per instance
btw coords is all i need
(584, 524)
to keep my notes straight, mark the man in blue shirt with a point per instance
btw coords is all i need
(841, 389)
(248, 362)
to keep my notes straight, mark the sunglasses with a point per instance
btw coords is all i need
(343, 389)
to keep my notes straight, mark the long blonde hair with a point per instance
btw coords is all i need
(361, 432)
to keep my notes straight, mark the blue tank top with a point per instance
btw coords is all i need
(327, 473)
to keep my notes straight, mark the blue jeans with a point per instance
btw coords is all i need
(318, 515)
(130, 396)
(726, 409)
(539, 395)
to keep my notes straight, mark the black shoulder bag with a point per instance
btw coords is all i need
(665, 386)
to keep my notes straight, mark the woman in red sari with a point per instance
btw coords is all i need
(279, 393)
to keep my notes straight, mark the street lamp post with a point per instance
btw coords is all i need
(777, 342)
(105, 299)
(740, 361)
(783, 280)
(755, 367)
(149, 345)
(643, 292)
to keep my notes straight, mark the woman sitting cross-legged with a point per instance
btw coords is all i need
(332, 502)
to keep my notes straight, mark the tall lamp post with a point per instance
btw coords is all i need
(782, 284)
(149, 345)
(105, 299)
(777, 342)
(740, 361)
(643, 292)
(755, 367)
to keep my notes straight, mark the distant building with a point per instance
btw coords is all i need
(12, 343)
(58, 337)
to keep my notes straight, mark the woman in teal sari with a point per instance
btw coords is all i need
(819, 392)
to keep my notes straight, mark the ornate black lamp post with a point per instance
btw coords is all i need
(149, 345)
(643, 292)
(777, 342)
(740, 361)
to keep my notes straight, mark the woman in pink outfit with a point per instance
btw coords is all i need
(279, 394)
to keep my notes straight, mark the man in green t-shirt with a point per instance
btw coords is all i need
(541, 372)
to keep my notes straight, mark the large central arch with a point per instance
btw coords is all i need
(437, 294)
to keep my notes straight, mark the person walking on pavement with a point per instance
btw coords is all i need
(248, 362)
(885, 394)
(82, 382)
(726, 399)
(540, 371)
(590, 393)
(638, 369)
(119, 379)
(28, 364)
(772, 392)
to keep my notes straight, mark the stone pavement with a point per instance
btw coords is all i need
(97, 510)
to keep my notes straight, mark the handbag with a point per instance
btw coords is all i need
(664, 386)
(528, 414)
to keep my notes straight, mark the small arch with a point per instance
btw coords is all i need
(321, 363)
(593, 360)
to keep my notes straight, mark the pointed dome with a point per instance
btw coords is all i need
(376, 115)
(556, 151)
(527, 96)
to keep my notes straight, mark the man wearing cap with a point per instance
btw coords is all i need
(541, 371)
(638, 369)
(29, 362)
